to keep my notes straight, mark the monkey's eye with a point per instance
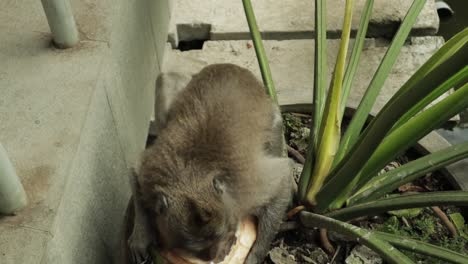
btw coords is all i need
(218, 185)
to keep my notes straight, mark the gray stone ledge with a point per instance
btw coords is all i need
(289, 19)
(291, 63)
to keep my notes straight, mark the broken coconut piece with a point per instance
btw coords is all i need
(245, 239)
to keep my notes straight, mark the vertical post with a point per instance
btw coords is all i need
(61, 22)
(12, 195)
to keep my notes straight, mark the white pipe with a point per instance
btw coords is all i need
(12, 194)
(61, 22)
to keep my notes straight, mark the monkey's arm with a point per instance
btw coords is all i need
(142, 235)
(269, 218)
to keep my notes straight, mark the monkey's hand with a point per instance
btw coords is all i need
(138, 248)
(140, 239)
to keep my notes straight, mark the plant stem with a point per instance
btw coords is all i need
(377, 82)
(320, 68)
(423, 248)
(445, 220)
(356, 54)
(367, 238)
(391, 180)
(331, 121)
(326, 244)
(353, 64)
(408, 134)
(306, 173)
(294, 211)
(320, 80)
(296, 154)
(449, 59)
(455, 198)
(460, 77)
(260, 50)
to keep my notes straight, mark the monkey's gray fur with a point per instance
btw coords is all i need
(218, 158)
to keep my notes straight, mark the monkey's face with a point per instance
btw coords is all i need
(199, 223)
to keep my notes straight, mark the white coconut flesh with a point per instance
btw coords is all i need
(246, 234)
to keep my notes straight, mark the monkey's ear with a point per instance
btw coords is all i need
(219, 185)
(161, 204)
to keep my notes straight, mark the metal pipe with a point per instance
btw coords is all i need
(12, 194)
(61, 22)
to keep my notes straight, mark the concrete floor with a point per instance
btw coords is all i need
(73, 122)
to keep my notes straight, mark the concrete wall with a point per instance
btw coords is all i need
(90, 214)
(88, 218)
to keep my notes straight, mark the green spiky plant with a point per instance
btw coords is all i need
(340, 178)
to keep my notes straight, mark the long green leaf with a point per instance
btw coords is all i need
(389, 181)
(331, 120)
(455, 198)
(377, 82)
(320, 66)
(366, 237)
(423, 248)
(356, 53)
(449, 59)
(260, 50)
(408, 134)
(320, 82)
(460, 77)
(306, 173)
(354, 62)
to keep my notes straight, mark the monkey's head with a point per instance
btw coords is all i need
(195, 217)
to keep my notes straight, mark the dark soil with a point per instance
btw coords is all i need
(294, 247)
(302, 245)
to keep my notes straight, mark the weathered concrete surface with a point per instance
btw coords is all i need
(93, 18)
(86, 226)
(129, 74)
(291, 63)
(455, 172)
(44, 100)
(289, 19)
(73, 121)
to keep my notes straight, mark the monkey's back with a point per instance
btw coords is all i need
(223, 116)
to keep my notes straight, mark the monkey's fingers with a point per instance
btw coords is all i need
(138, 258)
